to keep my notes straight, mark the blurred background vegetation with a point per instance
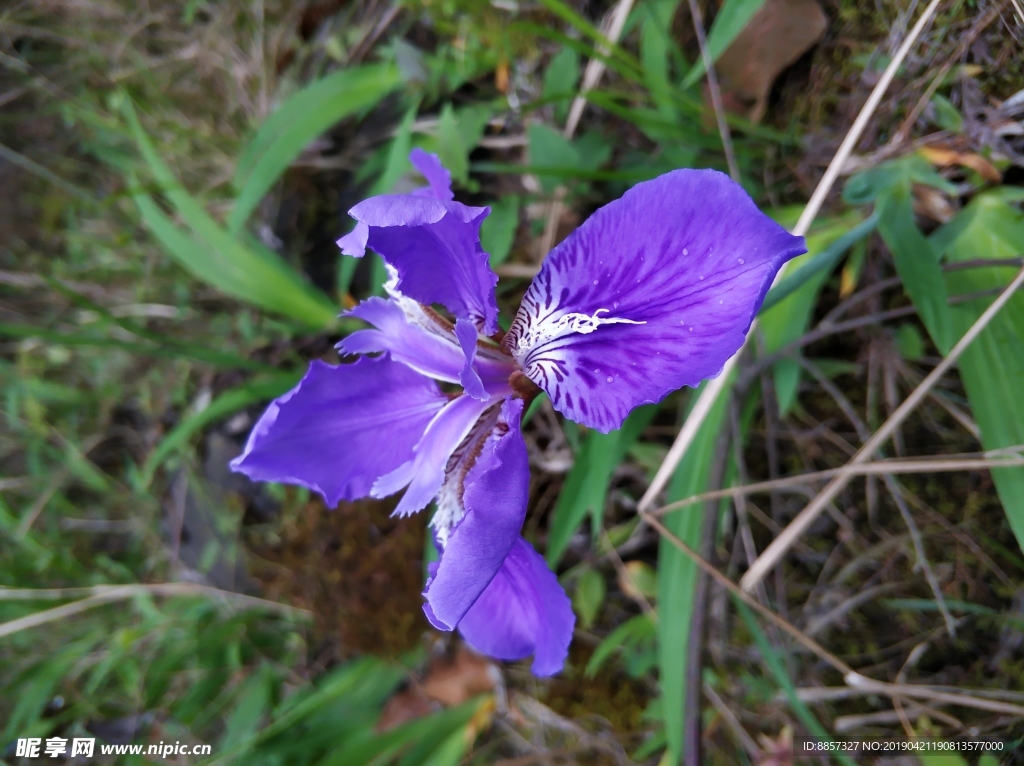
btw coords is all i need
(173, 177)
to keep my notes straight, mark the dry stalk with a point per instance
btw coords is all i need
(778, 547)
(715, 387)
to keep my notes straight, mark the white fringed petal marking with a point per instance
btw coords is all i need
(554, 327)
(451, 507)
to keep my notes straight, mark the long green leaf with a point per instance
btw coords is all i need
(677, 576)
(299, 120)
(992, 368)
(915, 261)
(247, 270)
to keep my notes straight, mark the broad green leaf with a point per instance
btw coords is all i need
(677, 575)
(228, 403)
(297, 122)
(992, 367)
(458, 133)
(560, 81)
(254, 699)
(550, 149)
(915, 261)
(246, 270)
(588, 598)
(733, 16)
(498, 231)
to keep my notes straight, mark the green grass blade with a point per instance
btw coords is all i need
(778, 669)
(817, 260)
(299, 120)
(252, 273)
(228, 403)
(677, 576)
(586, 486)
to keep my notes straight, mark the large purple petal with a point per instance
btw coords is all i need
(433, 243)
(522, 611)
(423, 474)
(438, 177)
(496, 490)
(342, 428)
(653, 292)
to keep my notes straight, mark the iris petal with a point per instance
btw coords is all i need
(522, 611)
(423, 473)
(496, 491)
(434, 245)
(655, 291)
(341, 428)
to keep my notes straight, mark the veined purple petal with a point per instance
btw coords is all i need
(409, 335)
(341, 428)
(430, 345)
(522, 611)
(495, 491)
(424, 472)
(653, 292)
(433, 243)
(438, 177)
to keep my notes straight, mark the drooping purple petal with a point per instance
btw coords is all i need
(495, 492)
(653, 292)
(433, 243)
(522, 611)
(342, 428)
(354, 243)
(438, 177)
(423, 474)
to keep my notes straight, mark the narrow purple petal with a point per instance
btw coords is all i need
(438, 177)
(469, 378)
(424, 472)
(354, 243)
(497, 488)
(523, 611)
(653, 292)
(416, 341)
(341, 428)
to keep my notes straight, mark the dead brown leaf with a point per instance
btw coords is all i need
(449, 681)
(944, 156)
(780, 33)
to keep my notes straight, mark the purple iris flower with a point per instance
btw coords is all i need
(653, 292)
